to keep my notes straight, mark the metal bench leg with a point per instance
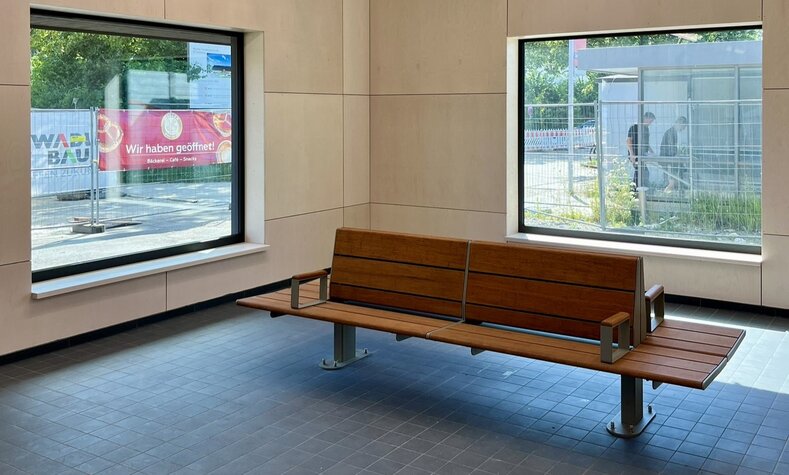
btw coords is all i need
(345, 351)
(634, 416)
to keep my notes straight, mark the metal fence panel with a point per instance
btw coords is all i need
(706, 187)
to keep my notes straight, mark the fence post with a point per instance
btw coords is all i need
(93, 194)
(598, 136)
(690, 148)
(570, 114)
(95, 162)
(94, 226)
(737, 143)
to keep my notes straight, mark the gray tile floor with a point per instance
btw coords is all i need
(229, 390)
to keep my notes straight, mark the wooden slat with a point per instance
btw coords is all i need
(583, 303)
(579, 328)
(395, 277)
(340, 292)
(647, 357)
(694, 337)
(679, 354)
(545, 348)
(309, 292)
(687, 346)
(307, 295)
(528, 339)
(396, 247)
(535, 262)
(702, 328)
(403, 324)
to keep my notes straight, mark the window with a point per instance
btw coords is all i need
(135, 142)
(646, 138)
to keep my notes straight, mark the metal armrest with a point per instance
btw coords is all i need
(299, 279)
(655, 299)
(621, 321)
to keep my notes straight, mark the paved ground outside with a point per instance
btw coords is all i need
(137, 217)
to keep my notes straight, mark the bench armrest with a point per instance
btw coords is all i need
(615, 320)
(307, 276)
(655, 300)
(621, 321)
(299, 279)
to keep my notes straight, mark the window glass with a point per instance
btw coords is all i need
(668, 126)
(132, 146)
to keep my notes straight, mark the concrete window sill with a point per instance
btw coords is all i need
(88, 280)
(639, 249)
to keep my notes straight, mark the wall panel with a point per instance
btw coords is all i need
(304, 153)
(356, 150)
(28, 323)
(437, 222)
(15, 27)
(15, 175)
(303, 37)
(775, 284)
(444, 151)
(254, 138)
(357, 216)
(437, 46)
(705, 279)
(356, 46)
(306, 243)
(148, 9)
(303, 45)
(561, 17)
(775, 166)
(776, 43)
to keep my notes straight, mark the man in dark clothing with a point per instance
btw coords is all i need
(668, 148)
(638, 146)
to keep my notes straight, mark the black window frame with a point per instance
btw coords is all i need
(600, 235)
(64, 21)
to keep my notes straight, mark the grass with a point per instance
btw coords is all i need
(738, 213)
(715, 215)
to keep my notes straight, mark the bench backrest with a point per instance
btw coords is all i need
(418, 273)
(553, 290)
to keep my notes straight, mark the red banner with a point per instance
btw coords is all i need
(145, 139)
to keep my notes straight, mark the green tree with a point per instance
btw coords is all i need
(74, 65)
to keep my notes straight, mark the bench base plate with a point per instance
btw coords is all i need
(627, 431)
(330, 364)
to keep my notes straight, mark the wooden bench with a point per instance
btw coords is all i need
(588, 310)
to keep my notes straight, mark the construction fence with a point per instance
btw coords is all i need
(102, 166)
(697, 177)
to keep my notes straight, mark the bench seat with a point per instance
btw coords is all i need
(659, 358)
(346, 314)
(640, 362)
(696, 337)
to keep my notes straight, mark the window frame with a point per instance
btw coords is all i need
(64, 21)
(601, 235)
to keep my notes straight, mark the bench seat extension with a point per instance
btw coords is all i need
(661, 362)
(346, 314)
